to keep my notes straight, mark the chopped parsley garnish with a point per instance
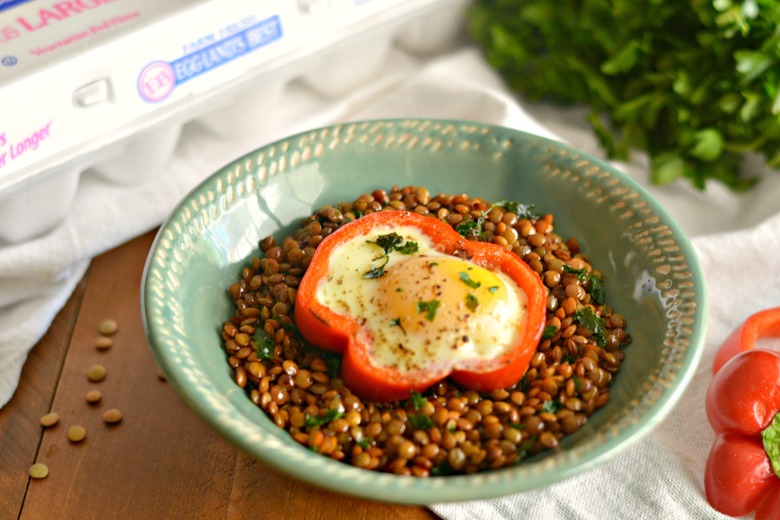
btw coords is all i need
(397, 323)
(333, 362)
(292, 327)
(264, 344)
(471, 227)
(474, 227)
(420, 421)
(407, 249)
(389, 243)
(551, 406)
(525, 447)
(472, 302)
(321, 420)
(549, 332)
(363, 443)
(377, 271)
(394, 242)
(588, 319)
(523, 383)
(429, 308)
(465, 278)
(418, 400)
(527, 211)
(577, 383)
(442, 469)
(596, 286)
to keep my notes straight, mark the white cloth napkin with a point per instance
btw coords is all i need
(736, 236)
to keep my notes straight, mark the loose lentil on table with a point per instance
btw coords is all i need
(76, 433)
(50, 419)
(38, 470)
(446, 429)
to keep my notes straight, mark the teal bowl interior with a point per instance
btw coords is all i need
(651, 276)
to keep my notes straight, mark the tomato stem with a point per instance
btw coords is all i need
(771, 438)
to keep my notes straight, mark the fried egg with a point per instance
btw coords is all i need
(419, 307)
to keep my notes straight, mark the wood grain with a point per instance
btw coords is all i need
(161, 460)
(20, 428)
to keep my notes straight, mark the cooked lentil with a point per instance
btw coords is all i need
(447, 429)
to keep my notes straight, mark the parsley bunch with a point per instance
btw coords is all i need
(695, 84)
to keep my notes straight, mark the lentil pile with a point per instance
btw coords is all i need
(447, 429)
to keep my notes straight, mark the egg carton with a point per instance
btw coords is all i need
(106, 85)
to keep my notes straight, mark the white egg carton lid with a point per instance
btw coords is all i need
(79, 76)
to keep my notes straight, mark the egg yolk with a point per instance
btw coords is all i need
(448, 304)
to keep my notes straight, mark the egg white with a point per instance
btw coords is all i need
(455, 334)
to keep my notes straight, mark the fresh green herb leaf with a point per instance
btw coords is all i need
(588, 319)
(420, 421)
(577, 383)
(470, 227)
(394, 242)
(321, 420)
(517, 426)
(377, 271)
(472, 302)
(465, 278)
(407, 249)
(693, 84)
(568, 357)
(589, 279)
(387, 242)
(264, 344)
(292, 327)
(364, 443)
(551, 406)
(549, 332)
(442, 469)
(397, 323)
(418, 400)
(525, 447)
(526, 211)
(333, 362)
(429, 308)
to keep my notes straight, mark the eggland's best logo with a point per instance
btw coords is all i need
(156, 81)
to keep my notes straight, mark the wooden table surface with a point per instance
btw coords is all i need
(161, 461)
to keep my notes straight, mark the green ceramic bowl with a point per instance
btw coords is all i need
(651, 276)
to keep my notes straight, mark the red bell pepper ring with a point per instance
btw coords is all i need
(371, 380)
(742, 473)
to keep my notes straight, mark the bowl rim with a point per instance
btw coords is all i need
(413, 490)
